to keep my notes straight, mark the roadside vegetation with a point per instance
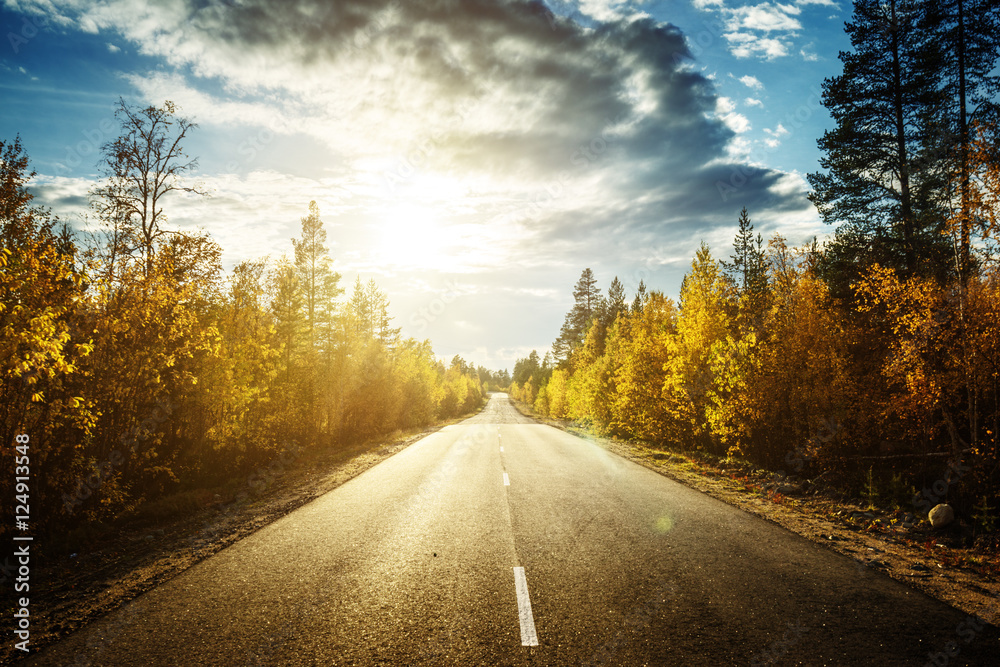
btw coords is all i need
(870, 361)
(145, 374)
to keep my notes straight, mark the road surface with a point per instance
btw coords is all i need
(499, 541)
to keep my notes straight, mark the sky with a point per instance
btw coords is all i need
(472, 156)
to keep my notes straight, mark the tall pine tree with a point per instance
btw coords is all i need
(588, 305)
(883, 177)
(616, 303)
(640, 298)
(748, 270)
(319, 283)
(968, 33)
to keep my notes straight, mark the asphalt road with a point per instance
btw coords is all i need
(499, 541)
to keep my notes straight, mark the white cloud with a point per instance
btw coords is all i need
(737, 122)
(278, 116)
(765, 30)
(792, 225)
(745, 45)
(112, 48)
(778, 131)
(609, 10)
(765, 17)
(753, 102)
(775, 135)
(751, 82)
(725, 109)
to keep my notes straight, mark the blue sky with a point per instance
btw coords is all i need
(472, 156)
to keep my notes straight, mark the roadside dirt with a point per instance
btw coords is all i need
(897, 544)
(70, 591)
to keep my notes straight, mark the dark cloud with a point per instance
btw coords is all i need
(602, 142)
(70, 202)
(626, 90)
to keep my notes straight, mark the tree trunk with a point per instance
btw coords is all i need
(963, 129)
(906, 206)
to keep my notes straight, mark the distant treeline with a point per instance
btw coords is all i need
(138, 368)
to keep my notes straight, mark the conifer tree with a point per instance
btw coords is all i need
(883, 176)
(319, 283)
(588, 304)
(748, 270)
(968, 34)
(640, 298)
(616, 303)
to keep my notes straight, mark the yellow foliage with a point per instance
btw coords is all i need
(641, 343)
(704, 321)
(556, 394)
(911, 312)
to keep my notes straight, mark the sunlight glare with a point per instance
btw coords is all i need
(413, 236)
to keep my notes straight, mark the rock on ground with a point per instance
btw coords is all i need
(941, 515)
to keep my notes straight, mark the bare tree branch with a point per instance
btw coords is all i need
(140, 167)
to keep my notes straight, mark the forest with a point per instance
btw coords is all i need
(141, 369)
(871, 359)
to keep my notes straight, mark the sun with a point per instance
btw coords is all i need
(412, 236)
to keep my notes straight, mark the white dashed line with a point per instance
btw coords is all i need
(506, 480)
(528, 635)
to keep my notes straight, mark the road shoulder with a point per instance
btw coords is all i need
(917, 555)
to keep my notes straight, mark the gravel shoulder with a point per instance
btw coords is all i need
(932, 561)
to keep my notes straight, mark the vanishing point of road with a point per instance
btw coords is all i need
(500, 541)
